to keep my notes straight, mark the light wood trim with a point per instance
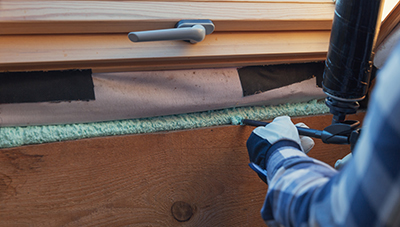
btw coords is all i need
(52, 17)
(264, 1)
(114, 52)
(390, 22)
(134, 180)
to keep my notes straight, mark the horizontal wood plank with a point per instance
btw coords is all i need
(52, 17)
(141, 180)
(265, 1)
(115, 52)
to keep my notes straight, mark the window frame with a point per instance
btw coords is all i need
(83, 17)
(86, 34)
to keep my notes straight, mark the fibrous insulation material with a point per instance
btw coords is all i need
(18, 136)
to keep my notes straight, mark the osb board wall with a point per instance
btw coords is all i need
(184, 178)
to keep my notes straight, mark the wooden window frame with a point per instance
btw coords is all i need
(54, 35)
(83, 17)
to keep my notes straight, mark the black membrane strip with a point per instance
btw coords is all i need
(50, 86)
(257, 79)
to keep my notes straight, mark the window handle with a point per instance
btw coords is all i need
(192, 31)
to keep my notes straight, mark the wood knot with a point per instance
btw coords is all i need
(182, 211)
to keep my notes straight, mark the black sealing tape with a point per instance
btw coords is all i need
(257, 79)
(50, 86)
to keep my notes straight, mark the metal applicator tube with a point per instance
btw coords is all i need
(349, 60)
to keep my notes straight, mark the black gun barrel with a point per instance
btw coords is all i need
(349, 61)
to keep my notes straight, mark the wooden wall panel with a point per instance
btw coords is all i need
(136, 179)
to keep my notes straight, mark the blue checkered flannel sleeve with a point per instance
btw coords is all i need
(366, 192)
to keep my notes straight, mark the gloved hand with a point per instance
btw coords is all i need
(305, 141)
(280, 132)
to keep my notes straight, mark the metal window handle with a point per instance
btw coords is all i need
(189, 30)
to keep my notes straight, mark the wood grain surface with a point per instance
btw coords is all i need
(389, 23)
(183, 178)
(265, 1)
(54, 17)
(114, 52)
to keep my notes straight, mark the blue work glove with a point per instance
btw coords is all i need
(263, 141)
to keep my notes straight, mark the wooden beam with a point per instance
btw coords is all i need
(53, 17)
(389, 23)
(114, 52)
(141, 180)
(264, 1)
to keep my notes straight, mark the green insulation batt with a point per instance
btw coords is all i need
(18, 136)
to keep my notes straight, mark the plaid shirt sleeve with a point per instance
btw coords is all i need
(366, 192)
